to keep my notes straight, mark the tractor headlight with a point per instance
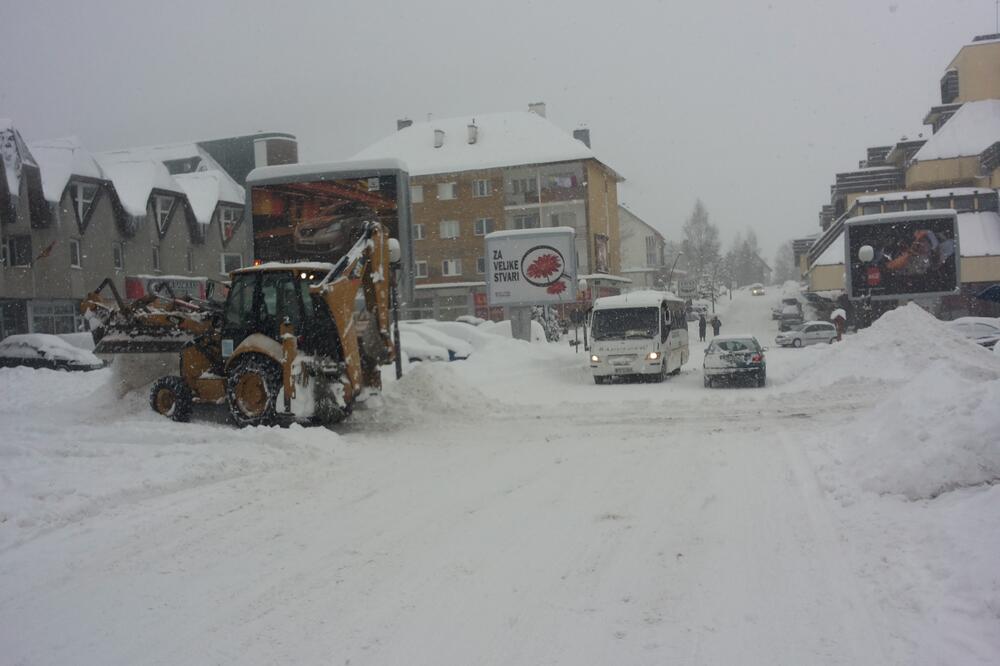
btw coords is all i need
(594, 358)
(653, 356)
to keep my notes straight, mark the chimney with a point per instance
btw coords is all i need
(438, 138)
(403, 123)
(582, 135)
(537, 107)
(473, 132)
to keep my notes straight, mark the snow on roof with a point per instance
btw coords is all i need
(14, 154)
(60, 159)
(136, 171)
(921, 194)
(502, 140)
(634, 299)
(320, 169)
(135, 180)
(973, 129)
(205, 189)
(607, 277)
(443, 285)
(978, 236)
(323, 266)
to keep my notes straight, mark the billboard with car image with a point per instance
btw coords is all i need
(902, 255)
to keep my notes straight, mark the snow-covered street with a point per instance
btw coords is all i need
(506, 510)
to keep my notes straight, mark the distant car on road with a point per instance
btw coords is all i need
(757, 289)
(734, 357)
(40, 350)
(984, 331)
(809, 333)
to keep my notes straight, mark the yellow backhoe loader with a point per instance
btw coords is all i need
(294, 342)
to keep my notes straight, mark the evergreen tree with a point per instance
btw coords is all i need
(701, 241)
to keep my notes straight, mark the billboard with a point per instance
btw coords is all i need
(911, 254)
(531, 266)
(314, 212)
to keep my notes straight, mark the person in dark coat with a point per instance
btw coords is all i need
(702, 325)
(716, 325)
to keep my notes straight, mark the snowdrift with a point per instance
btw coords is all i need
(938, 429)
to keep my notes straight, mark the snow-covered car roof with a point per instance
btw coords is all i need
(734, 336)
(46, 347)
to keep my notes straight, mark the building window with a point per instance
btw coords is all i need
(229, 219)
(523, 185)
(652, 258)
(230, 261)
(418, 232)
(17, 251)
(447, 190)
(190, 261)
(451, 267)
(483, 226)
(916, 204)
(422, 308)
(162, 207)
(420, 269)
(156, 258)
(526, 222)
(55, 317)
(82, 195)
(481, 188)
(449, 229)
(74, 253)
(481, 265)
(118, 255)
(416, 193)
(871, 208)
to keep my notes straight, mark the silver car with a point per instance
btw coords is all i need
(809, 333)
(734, 357)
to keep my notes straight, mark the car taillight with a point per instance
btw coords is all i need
(756, 358)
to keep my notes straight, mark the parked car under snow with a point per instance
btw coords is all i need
(40, 350)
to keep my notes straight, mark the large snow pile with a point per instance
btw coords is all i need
(899, 346)
(937, 429)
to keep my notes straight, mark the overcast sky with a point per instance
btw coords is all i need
(750, 105)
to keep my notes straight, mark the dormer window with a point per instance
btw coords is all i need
(229, 219)
(82, 195)
(162, 207)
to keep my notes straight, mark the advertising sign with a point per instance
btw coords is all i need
(320, 220)
(531, 266)
(902, 255)
(687, 288)
(137, 286)
(314, 212)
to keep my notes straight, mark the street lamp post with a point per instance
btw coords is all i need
(674, 265)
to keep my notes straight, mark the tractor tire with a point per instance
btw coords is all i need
(172, 398)
(252, 388)
(797, 342)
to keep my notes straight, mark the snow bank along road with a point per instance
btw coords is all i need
(505, 510)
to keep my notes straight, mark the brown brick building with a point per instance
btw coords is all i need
(473, 175)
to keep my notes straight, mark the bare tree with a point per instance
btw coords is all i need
(701, 241)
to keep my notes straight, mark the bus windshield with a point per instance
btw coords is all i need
(625, 323)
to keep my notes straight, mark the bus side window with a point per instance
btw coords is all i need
(665, 322)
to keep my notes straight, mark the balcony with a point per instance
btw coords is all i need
(548, 195)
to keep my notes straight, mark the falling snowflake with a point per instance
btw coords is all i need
(556, 287)
(544, 266)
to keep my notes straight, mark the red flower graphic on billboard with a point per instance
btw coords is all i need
(556, 287)
(544, 266)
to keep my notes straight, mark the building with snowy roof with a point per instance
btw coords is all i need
(642, 249)
(70, 217)
(471, 175)
(957, 166)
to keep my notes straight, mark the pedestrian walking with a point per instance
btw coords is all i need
(716, 325)
(702, 325)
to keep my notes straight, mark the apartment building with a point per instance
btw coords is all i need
(956, 165)
(70, 217)
(642, 249)
(476, 174)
